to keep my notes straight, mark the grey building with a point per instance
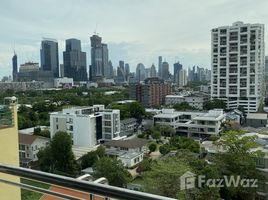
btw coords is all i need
(165, 71)
(160, 66)
(177, 68)
(15, 67)
(140, 72)
(99, 59)
(127, 71)
(74, 61)
(50, 56)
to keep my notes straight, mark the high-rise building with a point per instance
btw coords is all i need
(153, 71)
(74, 61)
(177, 68)
(110, 70)
(266, 74)
(127, 71)
(140, 72)
(9, 147)
(160, 66)
(50, 56)
(182, 80)
(120, 75)
(151, 93)
(15, 67)
(238, 72)
(99, 59)
(165, 71)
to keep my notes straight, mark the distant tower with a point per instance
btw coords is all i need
(15, 67)
(177, 68)
(74, 61)
(160, 66)
(165, 70)
(153, 71)
(50, 56)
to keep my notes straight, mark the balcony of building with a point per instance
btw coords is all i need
(62, 187)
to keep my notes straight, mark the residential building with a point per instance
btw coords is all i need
(266, 75)
(9, 147)
(130, 152)
(15, 67)
(195, 100)
(238, 73)
(74, 61)
(150, 93)
(87, 125)
(192, 123)
(29, 67)
(29, 146)
(22, 86)
(256, 120)
(199, 74)
(50, 56)
(127, 126)
(127, 72)
(182, 79)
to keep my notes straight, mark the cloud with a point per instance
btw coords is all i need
(135, 30)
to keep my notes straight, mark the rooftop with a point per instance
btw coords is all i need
(132, 143)
(257, 116)
(29, 139)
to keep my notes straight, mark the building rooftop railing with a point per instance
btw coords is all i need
(106, 191)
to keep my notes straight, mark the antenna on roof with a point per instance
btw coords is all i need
(95, 32)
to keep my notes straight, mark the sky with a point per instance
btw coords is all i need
(136, 31)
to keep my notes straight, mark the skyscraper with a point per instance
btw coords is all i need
(182, 78)
(15, 67)
(50, 56)
(160, 66)
(165, 71)
(177, 68)
(153, 71)
(127, 71)
(238, 71)
(74, 61)
(140, 72)
(99, 59)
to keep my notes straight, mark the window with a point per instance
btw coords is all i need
(57, 127)
(71, 128)
(57, 120)
(107, 123)
(35, 147)
(28, 155)
(107, 116)
(211, 129)
(107, 130)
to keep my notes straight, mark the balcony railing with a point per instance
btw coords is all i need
(106, 191)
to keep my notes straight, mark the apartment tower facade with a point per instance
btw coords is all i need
(238, 72)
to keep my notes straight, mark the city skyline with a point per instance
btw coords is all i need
(134, 38)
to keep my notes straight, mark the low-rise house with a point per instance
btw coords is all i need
(29, 146)
(130, 152)
(192, 124)
(256, 120)
(195, 100)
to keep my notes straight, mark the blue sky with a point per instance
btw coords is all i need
(135, 30)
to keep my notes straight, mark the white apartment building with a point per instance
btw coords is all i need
(86, 125)
(237, 57)
(29, 146)
(182, 78)
(192, 124)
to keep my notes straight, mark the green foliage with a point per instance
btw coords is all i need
(215, 103)
(144, 165)
(30, 195)
(238, 160)
(165, 149)
(183, 106)
(185, 143)
(90, 158)
(128, 110)
(58, 156)
(165, 130)
(163, 178)
(37, 131)
(113, 170)
(152, 147)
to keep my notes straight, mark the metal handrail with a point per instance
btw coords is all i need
(84, 186)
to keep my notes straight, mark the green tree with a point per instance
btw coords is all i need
(113, 170)
(215, 103)
(164, 149)
(156, 135)
(59, 156)
(144, 165)
(152, 147)
(90, 158)
(238, 160)
(183, 106)
(185, 143)
(137, 111)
